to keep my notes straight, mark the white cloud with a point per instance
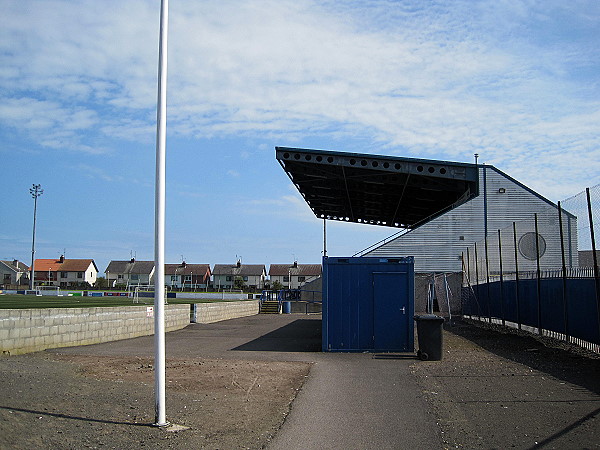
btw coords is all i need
(98, 173)
(288, 207)
(442, 80)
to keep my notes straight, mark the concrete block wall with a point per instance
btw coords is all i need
(306, 307)
(215, 312)
(31, 330)
(212, 295)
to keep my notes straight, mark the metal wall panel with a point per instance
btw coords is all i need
(578, 320)
(368, 304)
(437, 245)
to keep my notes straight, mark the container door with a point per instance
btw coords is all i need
(391, 315)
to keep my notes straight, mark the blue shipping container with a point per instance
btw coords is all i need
(368, 304)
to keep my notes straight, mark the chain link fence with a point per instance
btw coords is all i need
(540, 274)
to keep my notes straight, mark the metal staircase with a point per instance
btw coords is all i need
(270, 303)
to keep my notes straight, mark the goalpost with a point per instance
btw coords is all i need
(48, 290)
(134, 293)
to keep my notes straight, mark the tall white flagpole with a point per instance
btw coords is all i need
(159, 223)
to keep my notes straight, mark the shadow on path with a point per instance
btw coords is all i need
(302, 335)
(399, 356)
(572, 427)
(67, 416)
(561, 360)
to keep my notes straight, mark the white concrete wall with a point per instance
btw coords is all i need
(31, 330)
(215, 312)
(89, 275)
(213, 295)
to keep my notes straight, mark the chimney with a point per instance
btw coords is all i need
(295, 264)
(239, 263)
(16, 263)
(183, 264)
(132, 260)
(62, 259)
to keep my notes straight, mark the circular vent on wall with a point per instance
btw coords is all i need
(527, 247)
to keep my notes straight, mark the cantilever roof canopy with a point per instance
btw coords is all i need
(373, 189)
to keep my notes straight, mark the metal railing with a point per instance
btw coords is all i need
(532, 275)
(291, 295)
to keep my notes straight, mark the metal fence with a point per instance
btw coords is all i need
(540, 274)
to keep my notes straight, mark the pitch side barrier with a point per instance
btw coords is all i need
(147, 294)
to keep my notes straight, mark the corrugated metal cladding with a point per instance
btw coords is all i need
(368, 304)
(437, 245)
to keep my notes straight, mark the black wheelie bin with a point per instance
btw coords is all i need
(429, 334)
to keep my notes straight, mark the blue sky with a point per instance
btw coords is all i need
(516, 81)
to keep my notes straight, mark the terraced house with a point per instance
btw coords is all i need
(65, 272)
(252, 276)
(13, 273)
(186, 275)
(293, 276)
(130, 273)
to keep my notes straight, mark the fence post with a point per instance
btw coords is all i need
(595, 259)
(517, 274)
(462, 300)
(537, 261)
(468, 265)
(477, 280)
(470, 306)
(487, 279)
(501, 279)
(564, 275)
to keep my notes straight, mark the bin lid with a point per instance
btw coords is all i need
(431, 317)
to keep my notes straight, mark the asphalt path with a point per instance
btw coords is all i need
(350, 400)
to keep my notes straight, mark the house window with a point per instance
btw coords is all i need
(120, 276)
(79, 274)
(188, 278)
(300, 279)
(7, 277)
(228, 278)
(286, 278)
(135, 276)
(63, 274)
(245, 278)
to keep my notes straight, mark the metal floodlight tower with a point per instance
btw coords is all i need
(35, 191)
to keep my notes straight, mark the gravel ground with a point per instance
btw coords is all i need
(55, 401)
(494, 389)
(498, 388)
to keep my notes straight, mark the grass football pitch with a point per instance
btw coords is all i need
(19, 301)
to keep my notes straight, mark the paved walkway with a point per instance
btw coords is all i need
(367, 401)
(358, 401)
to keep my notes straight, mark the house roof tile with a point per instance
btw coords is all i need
(127, 267)
(64, 265)
(180, 269)
(242, 270)
(15, 265)
(295, 270)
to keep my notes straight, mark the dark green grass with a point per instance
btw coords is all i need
(18, 301)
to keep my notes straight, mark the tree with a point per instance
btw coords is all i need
(239, 283)
(277, 286)
(101, 283)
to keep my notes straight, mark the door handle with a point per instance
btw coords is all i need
(403, 309)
